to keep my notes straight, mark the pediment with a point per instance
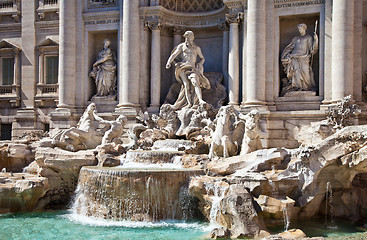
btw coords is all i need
(48, 42)
(5, 44)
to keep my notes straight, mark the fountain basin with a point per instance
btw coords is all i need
(135, 194)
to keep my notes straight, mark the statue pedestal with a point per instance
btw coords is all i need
(298, 100)
(105, 103)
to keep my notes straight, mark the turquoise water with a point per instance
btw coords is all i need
(340, 229)
(64, 225)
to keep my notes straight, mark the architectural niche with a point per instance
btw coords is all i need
(47, 85)
(9, 87)
(191, 5)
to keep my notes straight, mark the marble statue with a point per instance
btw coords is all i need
(251, 139)
(104, 71)
(297, 59)
(225, 141)
(189, 72)
(116, 129)
(84, 135)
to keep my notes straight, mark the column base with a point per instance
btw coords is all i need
(64, 117)
(130, 110)
(259, 105)
(24, 122)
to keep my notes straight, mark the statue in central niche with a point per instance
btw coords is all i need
(104, 71)
(297, 59)
(189, 72)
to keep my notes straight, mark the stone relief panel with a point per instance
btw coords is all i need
(102, 3)
(299, 56)
(191, 5)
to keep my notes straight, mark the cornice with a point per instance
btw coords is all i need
(183, 19)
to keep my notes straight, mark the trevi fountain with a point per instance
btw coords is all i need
(194, 168)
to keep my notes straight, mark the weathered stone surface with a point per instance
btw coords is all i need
(148, 137)
(293, 234)
(61, 168)
(260, 160)
(15, 156)
(22, 192)
(230, 206)
(274, 208)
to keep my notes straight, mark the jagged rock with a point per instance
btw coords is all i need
(107, 160)
(260, 160)
(273, 208)
(231, 206)
(21, 192)
(15, 156)
(61, 168)
(337, 159)
(293, 234)
(220, 232)
(148, 137)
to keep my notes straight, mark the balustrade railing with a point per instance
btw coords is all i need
(6, 90)
(6, 4)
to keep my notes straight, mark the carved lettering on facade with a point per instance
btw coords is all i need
(292, 3)
(92, 22)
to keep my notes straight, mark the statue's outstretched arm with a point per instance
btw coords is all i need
(174, 54)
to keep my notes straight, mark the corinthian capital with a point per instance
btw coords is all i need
(154, 25)
(234, 17)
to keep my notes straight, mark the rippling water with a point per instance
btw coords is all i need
(64, 225)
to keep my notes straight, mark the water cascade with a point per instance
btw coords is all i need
(329, 207)
(134, 194)
(286, 219)
(217, 192)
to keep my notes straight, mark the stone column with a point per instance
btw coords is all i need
(155, 72)
(144, 64)
(177, 36)
(17, 69)
(41, 67)
(342, 49)
(224, 28)
(130, 56)
(67, 58)
(256, 44)
(233, 58)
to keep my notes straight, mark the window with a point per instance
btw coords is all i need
(52, 69)
(7, 71)
(5, 131)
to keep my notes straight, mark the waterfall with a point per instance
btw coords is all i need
(286, 219)
(217, 192)
(135, 194)
(329, 207)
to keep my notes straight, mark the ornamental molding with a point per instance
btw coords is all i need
(102, 3)
(170, 18)
(106, 17)
(296, 3)
(234, 17)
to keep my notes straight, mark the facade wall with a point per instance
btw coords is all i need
(242, 39)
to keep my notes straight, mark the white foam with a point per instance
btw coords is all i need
(91, 221)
